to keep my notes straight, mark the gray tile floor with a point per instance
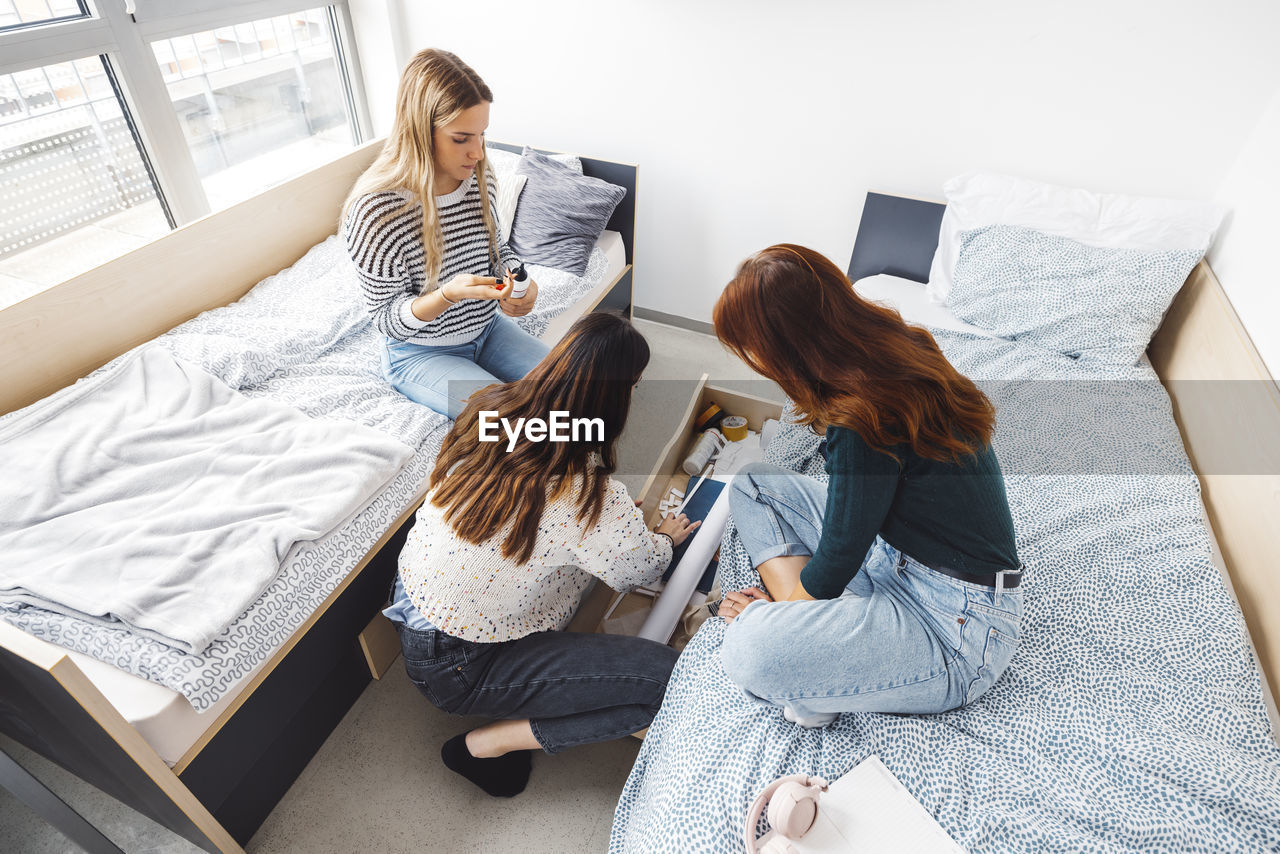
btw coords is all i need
(377, 784)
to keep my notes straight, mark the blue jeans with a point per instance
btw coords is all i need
(901, 638)
(574, 688)
(442, 378)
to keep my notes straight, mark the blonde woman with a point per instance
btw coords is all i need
(421, 226)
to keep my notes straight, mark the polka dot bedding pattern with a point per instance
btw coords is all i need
(1131, 718)
(301, 337)
(1099, 303)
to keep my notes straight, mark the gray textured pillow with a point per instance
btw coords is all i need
(561, 213)
(504, 163)
(1084, 301)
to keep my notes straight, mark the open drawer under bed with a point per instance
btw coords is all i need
(666, 475)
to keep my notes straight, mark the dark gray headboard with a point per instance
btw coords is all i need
(623, 175)
(897, 236)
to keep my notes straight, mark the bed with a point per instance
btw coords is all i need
(1136, 714)
(207, 744)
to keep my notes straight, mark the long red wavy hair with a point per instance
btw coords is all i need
(791, 315)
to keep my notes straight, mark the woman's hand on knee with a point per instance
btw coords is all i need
(736, 601)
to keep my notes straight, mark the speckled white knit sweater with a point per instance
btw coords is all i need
(472, 592)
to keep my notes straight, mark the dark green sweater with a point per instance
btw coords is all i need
(940, 513)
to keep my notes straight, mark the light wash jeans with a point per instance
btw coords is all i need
(901, 638)
(442, 378)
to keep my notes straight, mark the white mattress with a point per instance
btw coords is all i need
(615, 253)
(164, 717)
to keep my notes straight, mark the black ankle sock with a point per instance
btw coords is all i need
(502, 776)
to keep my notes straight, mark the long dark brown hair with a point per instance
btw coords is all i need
(792, 316)
(483, 488)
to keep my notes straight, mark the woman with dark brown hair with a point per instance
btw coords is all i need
(507, 541)
(895, 586)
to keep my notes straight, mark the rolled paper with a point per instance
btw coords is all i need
(666, 613)
(768, 430)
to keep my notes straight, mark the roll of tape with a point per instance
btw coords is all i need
(709, 418)
(734, 428)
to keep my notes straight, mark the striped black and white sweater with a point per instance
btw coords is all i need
(384, 239)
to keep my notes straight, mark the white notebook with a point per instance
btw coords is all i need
(868, 811)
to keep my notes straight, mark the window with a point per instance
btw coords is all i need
(75, 187)
(258, 102)
(20, 13)
(107, 140)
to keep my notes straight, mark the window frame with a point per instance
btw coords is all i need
(85, 12)
(125, 38)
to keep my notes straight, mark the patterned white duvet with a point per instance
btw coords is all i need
(301, 337)
(1131, 718)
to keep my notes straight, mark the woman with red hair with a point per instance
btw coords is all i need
(895, 586)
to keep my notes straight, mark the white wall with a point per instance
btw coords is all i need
(756, 122)
(1244, 257)
(384, 47)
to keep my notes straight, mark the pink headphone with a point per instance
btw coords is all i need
(793, 807)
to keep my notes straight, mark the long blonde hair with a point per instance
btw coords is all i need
(434, 89)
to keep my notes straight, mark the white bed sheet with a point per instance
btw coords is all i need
(913, 303)
(164, 717)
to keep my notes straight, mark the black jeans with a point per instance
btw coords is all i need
(574, 688)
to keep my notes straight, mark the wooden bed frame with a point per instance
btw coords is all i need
(219, 793)
(1201, 349)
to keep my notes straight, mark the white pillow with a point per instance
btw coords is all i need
(1102, 303)
(503, 163)
(509, 187)
(978, 199)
